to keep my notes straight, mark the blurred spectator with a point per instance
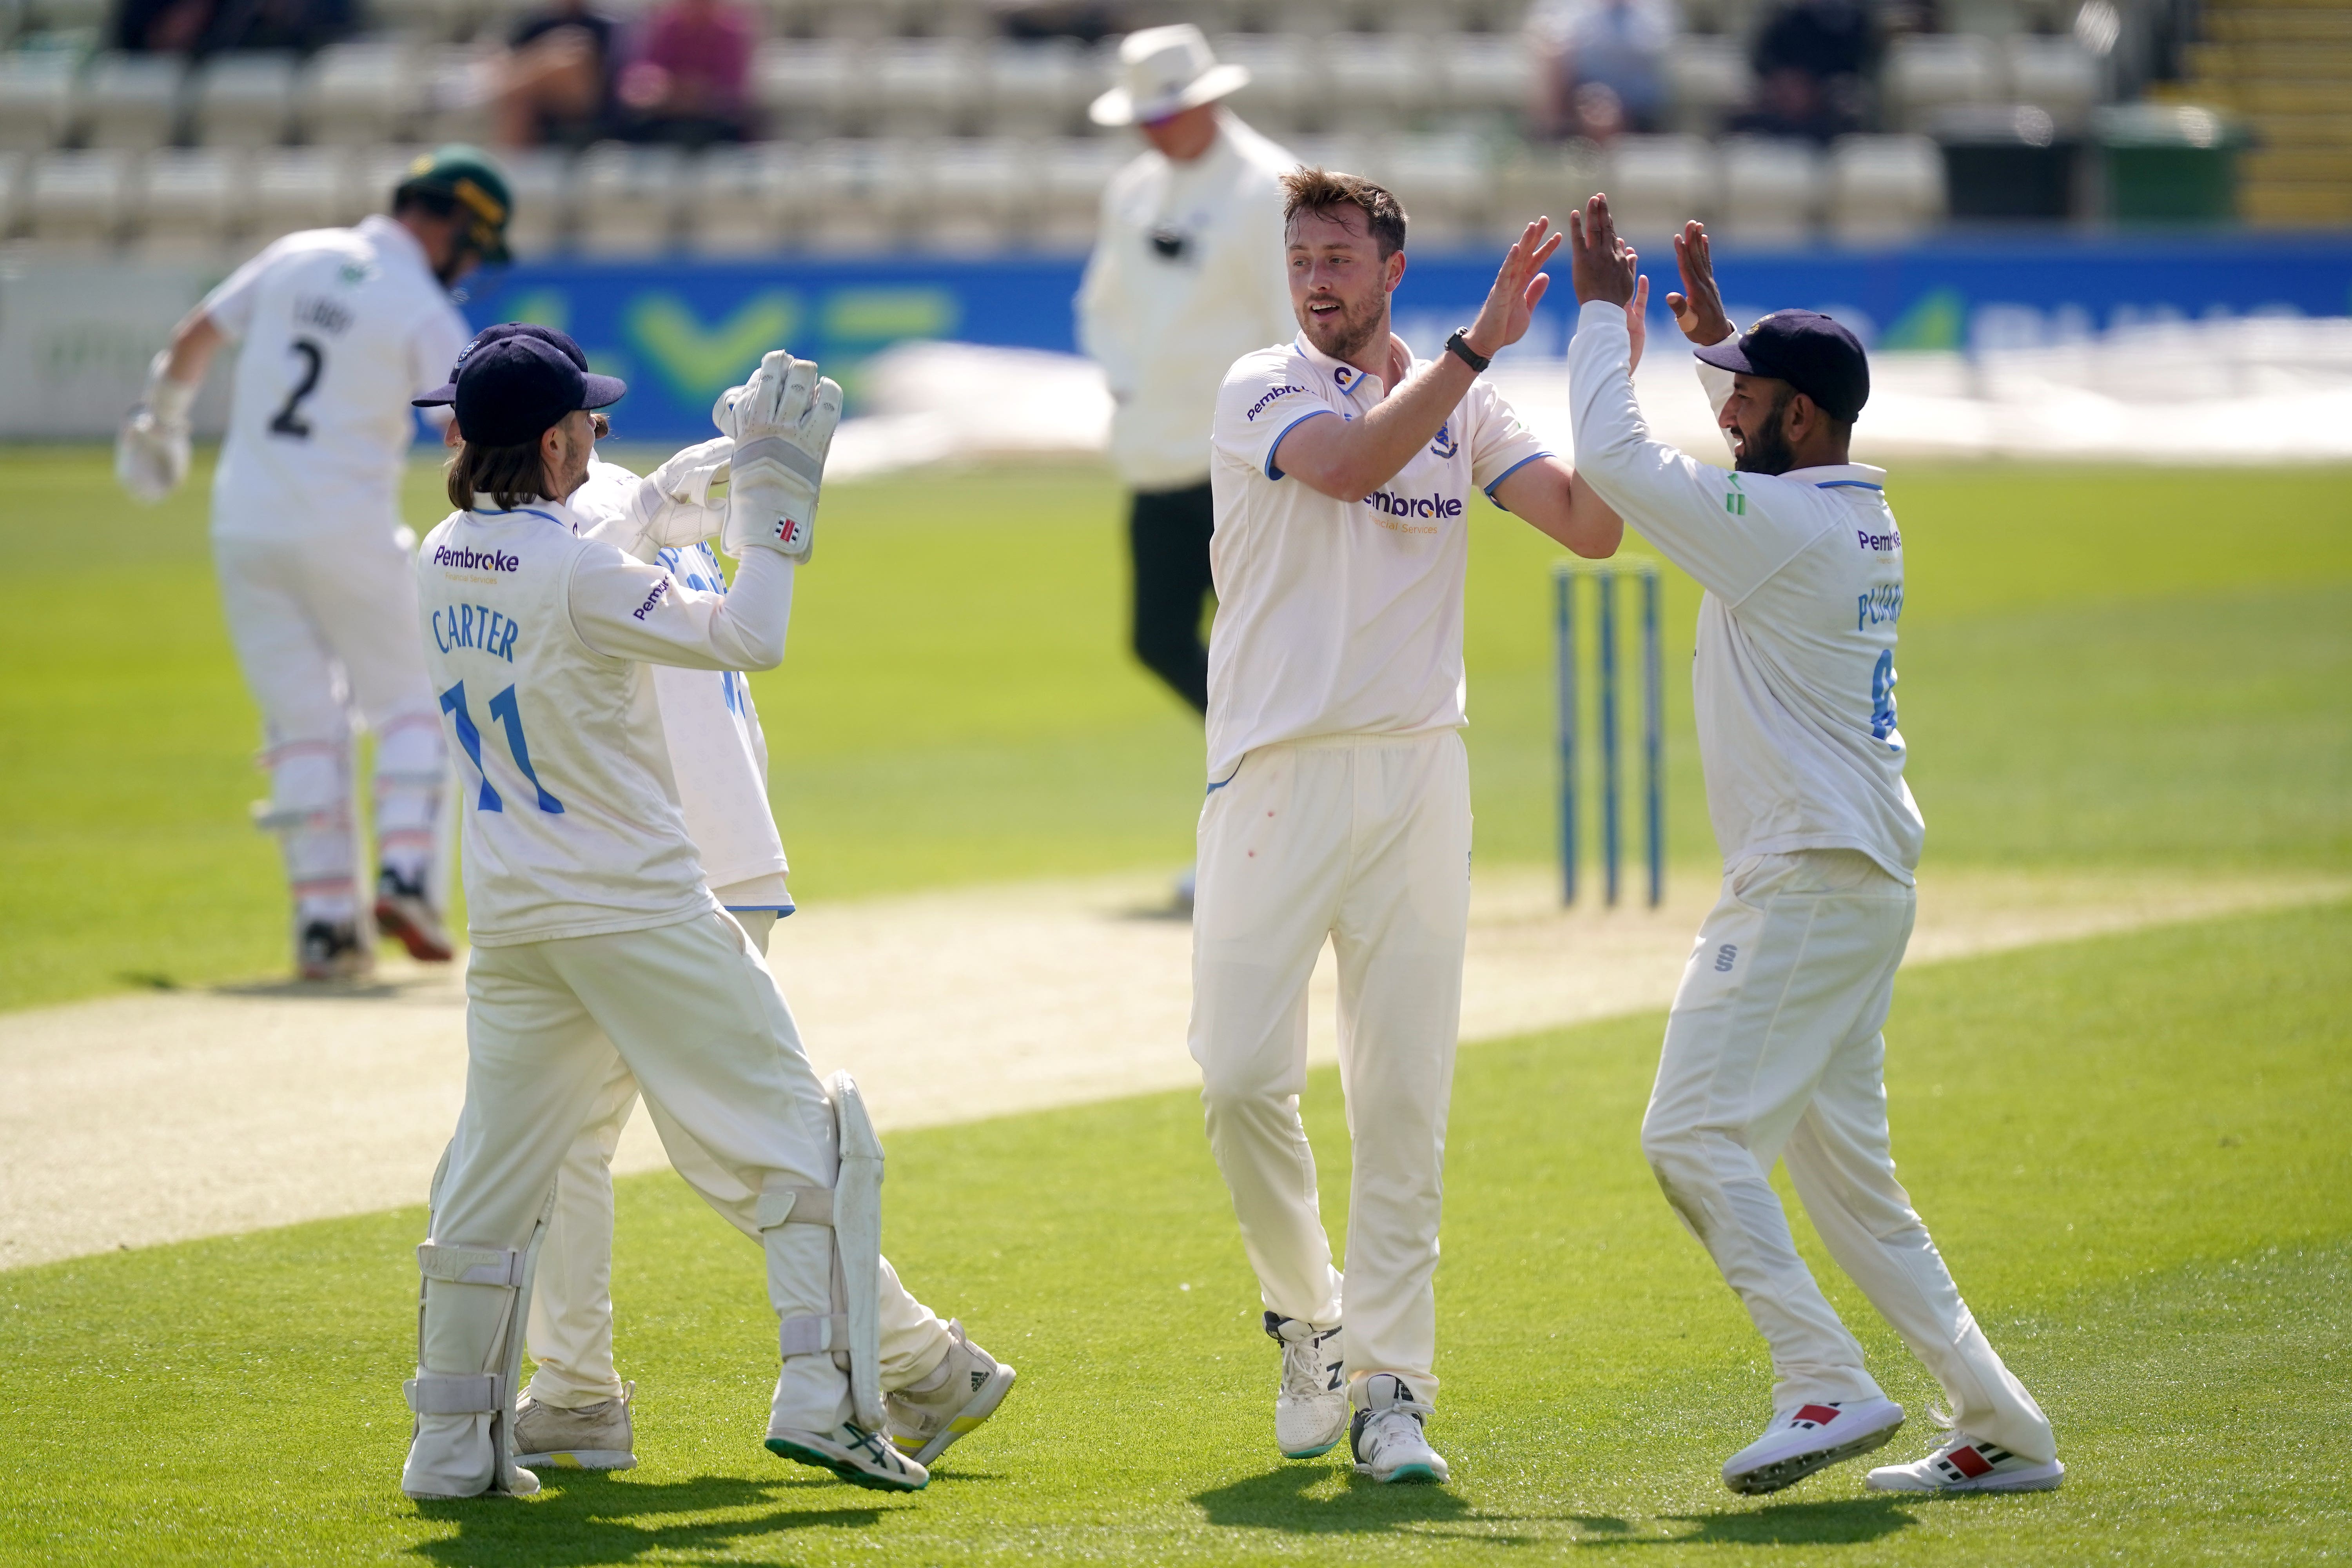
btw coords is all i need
(555, 84)
(201, 27)
(1088, 21)
(1810, 60)
(689, 79)
(1602, 64)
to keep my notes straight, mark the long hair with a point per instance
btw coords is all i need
(513, 476)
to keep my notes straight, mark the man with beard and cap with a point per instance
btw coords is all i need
(1773, 1049)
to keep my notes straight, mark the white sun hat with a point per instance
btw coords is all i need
(1162, 71)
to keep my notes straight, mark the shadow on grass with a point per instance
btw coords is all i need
(1279, 1500)
(588, 1518)
(1850, 1520)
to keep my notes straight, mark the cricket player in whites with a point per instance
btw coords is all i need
(1338, 794)
(937, 1386)
(339, 329)
(596, 939)
(1772, 1049)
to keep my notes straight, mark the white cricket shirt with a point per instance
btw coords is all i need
(1165, 327)
(1339, 617)
(718, 752)
(339, 327)
(1794, 676)
(537, 639)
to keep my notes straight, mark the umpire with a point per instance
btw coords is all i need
(1186, 277)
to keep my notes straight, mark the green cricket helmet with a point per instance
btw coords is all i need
(465, 175)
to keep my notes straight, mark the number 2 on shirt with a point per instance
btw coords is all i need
(508, 717)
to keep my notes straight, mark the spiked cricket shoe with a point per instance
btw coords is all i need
(862, 1458)
(1807, 1438)
(951, 1404)
(331, 950)
(1386, 1436)
(1310, 1411)
(594, 1438)
(401, 910)
(1960, 1463)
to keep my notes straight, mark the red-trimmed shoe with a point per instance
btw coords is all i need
(1964, 1464)
(401, 910)
(1807, 1438)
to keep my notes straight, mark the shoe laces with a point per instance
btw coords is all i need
(1396, 1425)
(1304, 1372)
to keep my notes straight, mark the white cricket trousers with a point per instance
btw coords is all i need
(1365, 841)
(571, 1325)
(692, 1013)
(1773, 1051)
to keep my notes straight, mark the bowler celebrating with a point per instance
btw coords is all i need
(1339, 804)
(1773, 1049)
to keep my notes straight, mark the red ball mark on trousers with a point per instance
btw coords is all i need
(1253, 854)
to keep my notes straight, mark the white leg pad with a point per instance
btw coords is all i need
(450, 1466)
(852, 1210)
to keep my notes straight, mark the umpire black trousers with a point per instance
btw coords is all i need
(1168, 540)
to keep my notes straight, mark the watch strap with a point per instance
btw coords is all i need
(1459, 346)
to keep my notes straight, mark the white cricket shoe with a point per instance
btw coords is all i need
(1386, 1438)
(1310, 1412)
(594, 1438)
(949, 1404)
(862, 1458)
(402, 910)
(1960, 1463)
(1807, 1438)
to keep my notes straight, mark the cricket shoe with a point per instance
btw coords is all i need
(964, 1391)
(862, 1458)
(1310, 1412)
(1964, 1464)
(1807, 1438)
(401, 910)
(594, 1438)
(331, 950)
(1386, 1436)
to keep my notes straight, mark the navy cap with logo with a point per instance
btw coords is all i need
(1811, 352)
(447, 392)
(516, 389)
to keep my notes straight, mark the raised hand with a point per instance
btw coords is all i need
(1637, 315)
(1698, 309)
(1519, 290)
(1599, 264)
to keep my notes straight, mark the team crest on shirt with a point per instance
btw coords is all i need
(1443, 446)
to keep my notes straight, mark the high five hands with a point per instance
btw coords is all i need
(1519, 290)
(1602, 267)
(1698, 309)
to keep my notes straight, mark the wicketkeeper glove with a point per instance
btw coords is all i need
(783, 427)
(151, 453)
(675, 498)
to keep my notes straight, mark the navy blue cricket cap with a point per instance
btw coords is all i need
(447, 392)
(1811, 352)
(515, 390)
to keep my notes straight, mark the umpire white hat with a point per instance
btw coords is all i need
(1164, 71)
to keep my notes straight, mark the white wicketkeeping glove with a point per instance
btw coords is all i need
(676, 497)
(151, 453)
(783, 427)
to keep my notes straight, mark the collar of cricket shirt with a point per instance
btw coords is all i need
(1345, 376)
(1839, 477)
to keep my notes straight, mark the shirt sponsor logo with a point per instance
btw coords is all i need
(1882, 542)
(642, 611)
(1260, 405)
(471, 560)
(477, 626)
(1395, 505)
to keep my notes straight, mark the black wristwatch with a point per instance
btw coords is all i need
(1459, 346)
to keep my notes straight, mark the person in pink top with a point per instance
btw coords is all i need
(689, 79)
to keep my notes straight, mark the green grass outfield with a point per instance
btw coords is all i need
(2132, 1151)
(2114, 667)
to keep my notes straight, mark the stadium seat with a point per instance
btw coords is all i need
(1926, 71)
(1442, 179)
(1349, 153)
(813, 88)
(1709, 78)
(540, 181)
(1285, 91)
(861, 193)
(743, 201)
(1076, 170)
(295, 188)
(1772, 189)
(1884, 188)
(1040, 89)
(15, 174)
(357, 93)
(979, 190)
(926, 86)
(195, 200)
(371, 177)
(628, 199)
(131, 101)
(1657, 183)
(1538, 179)
(80, 199)
(1380, 81)
(2056, 75)
(1488, 73)
(243, 100)
(36, 98)
(422, 21)
(453, 92)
